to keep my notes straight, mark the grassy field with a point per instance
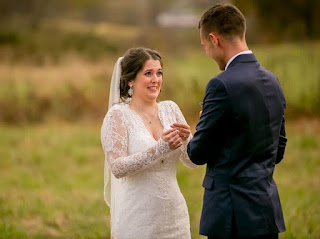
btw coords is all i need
(52, 181)
(75, 87)
(67, 76)
(54, 90)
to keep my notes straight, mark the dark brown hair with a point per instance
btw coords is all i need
(225, 19)
(132, 62)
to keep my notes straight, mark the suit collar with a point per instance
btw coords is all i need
(238, 54)
(242, 58)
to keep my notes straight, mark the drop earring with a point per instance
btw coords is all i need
(130, 91)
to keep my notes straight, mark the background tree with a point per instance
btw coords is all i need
(282, 20)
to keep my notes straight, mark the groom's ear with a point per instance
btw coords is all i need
(214, 38)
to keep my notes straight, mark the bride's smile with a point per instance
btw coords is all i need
(153, 88)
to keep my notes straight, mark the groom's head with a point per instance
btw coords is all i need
(224, 19)
(222, 27)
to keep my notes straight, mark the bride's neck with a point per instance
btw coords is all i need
(143, 106)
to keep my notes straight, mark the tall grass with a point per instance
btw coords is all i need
(76, 88)
(52, 182)
(296, 66)
(70, 90)
(62, 69)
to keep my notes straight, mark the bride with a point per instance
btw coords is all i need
(143, 141)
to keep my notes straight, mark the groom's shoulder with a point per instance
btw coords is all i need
(217, 81)
(227, 77)
(221, 77)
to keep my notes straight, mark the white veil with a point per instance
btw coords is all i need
(114, 94)
(114, 98)
(110, 182)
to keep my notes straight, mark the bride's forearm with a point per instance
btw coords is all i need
(135, 163)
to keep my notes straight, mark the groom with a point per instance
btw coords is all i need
(240, 135)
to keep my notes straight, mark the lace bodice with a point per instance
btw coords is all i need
(119, 122)
(145, 175)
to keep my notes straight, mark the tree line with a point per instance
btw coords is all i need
(280, 20)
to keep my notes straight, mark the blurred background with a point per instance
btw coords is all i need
(56, 61)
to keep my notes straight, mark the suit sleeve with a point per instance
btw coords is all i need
(282, 142)
(212, 124)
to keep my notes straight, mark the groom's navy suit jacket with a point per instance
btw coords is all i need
(241, 136)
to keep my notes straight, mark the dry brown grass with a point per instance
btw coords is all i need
(73, 87)
(48, 77)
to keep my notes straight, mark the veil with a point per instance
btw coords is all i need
(114, 95)
(114, 98)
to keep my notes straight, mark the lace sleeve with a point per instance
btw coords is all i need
(184, 158)
(114, 140)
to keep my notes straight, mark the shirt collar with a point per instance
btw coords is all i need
(240, 53)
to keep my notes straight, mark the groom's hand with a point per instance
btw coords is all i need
(172, 138)
(183, 130)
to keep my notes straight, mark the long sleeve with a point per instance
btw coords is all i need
(184, 157)
(114, 138)
(282, 142)
(210, 127)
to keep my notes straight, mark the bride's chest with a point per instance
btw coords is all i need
(140, 137)
(139, 140)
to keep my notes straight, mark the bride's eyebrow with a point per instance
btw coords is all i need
(150, 69)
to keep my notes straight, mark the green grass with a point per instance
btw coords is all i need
(52, 181)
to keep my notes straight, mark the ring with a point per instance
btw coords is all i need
(184, 136)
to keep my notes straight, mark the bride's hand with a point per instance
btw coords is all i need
(172, 137)
(183, 130)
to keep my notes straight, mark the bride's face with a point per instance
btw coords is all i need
(147, 84)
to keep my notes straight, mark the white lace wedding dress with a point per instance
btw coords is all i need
(146, 201)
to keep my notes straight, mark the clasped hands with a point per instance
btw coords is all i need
(177, 135)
